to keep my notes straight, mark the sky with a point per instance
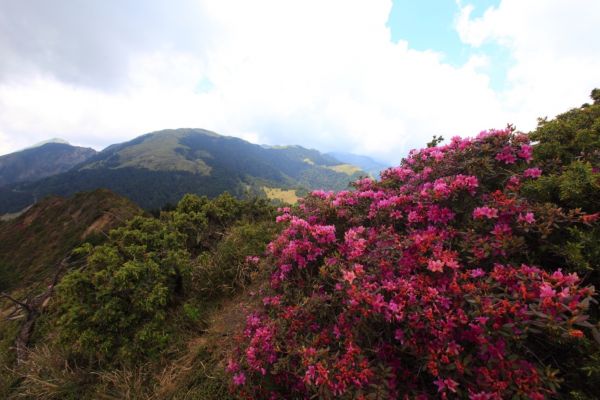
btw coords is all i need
(373, 77)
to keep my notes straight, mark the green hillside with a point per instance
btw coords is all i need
(33, 244)
(159, 168)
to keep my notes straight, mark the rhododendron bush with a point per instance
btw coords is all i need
(425, 284)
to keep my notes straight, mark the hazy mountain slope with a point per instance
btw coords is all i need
(41, 161)
(33, 244)
(367, 164)
(160, 167)
(53, 140)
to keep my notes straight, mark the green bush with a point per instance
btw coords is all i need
(116, 307)
(568, 151)
(124, 304)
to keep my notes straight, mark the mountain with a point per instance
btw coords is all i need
(367, 164)
(34, 243)
(41, 161)
(160, 167)
(53, 140)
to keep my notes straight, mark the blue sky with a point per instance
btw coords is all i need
(431, 25)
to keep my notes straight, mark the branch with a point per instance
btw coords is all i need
(17, 302)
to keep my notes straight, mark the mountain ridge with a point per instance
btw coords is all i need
(159, 167)
(41, 161)
(33, 243)
(366, 163)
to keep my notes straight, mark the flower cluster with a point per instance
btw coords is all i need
(418, 286)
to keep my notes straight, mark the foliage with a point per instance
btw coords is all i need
(435, 140)
(430, 283)
(568, 151)
(121, 307)
(117, 306)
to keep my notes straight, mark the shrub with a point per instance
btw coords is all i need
(568, 151)
(116, 307)
(430, 283)
(127, 302)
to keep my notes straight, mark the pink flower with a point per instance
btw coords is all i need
(399, 335)
(513, 182)
(435, 287)
(532, 173)
(486, 212)
(349, 276)
(233, 366)
(239, 379)
(321, 194)
(527, 218)
(435, 265)
(310, 375)
(546, 291)
(444, 384)
(252, 260)
(480, 396)
(526, 152)
(506, 156)
(476, 273)
(359, 269)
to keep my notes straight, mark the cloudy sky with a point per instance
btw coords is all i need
(376, 77)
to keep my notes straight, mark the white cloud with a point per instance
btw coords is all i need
(554, 48)
(320, 74)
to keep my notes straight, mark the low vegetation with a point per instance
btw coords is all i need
(141, 299)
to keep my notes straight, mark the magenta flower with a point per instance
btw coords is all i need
(349, 276)
(239, 379)
(413, 279)
(532, 173)
(487, 212)
(528, 218)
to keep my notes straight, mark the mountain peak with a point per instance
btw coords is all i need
(44, 159)
(53, 140)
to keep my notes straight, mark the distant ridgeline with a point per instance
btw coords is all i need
(159, 168)
(41, 161)
(367, 164)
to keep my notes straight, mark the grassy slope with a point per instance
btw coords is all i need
(35, 242)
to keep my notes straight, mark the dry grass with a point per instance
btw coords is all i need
(287, 196)
(347, 169)
(46, 375)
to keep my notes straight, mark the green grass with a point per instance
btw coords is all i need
(159, 152)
